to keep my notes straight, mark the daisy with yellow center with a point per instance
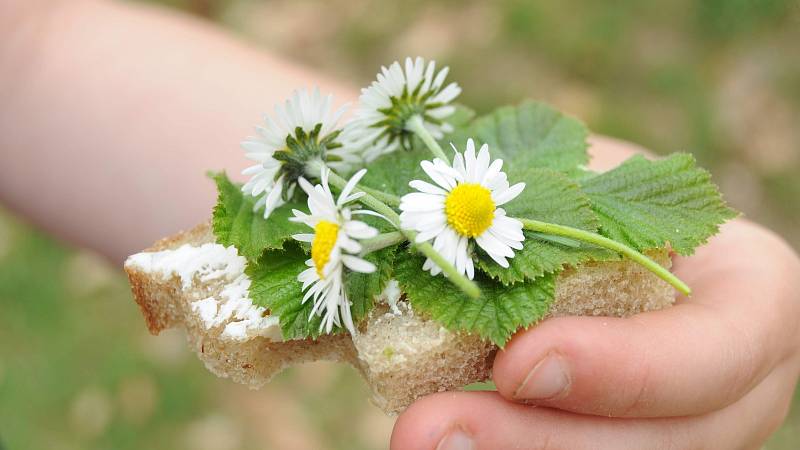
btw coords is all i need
(334, 249)
(414, 91)
(302, 130)
(461, 206)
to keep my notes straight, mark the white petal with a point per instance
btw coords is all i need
(359, 230)
(482, 163)
(469, 161)
(349, 245)
(418, 201)
(508, 194)
(515, 244)
(438, 177)
(491, 172)
(274, 198)
(429, 234)
(357, 264)
(493, 246)
(351, 184)
(447, 95)
(447, 170)
(461, 255)
(426, 187)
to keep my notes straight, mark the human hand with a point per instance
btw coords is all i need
(716, 371)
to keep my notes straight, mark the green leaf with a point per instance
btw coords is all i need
(235, 223)
(460, 118)
(541, 256)
(391, 173)
(274, 286)
(549, 197)
(649, 204)
(363, 287)
(530, 135)
(499, 312)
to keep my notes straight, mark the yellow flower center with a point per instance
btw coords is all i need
(325, 234)
(469, 209)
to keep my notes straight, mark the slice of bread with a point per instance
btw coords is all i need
(402, 355)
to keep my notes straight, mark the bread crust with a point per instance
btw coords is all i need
(158, 313)
(402, 357)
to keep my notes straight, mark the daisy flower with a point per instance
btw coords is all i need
(302, 130)
(380, 123)
(334, 248)
(463, 205)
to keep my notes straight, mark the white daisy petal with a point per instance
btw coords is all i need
(429, 234)
(491, 244)
(499, 259)
(339, 246)
(351, 184)
(274, 198)
(448, 172)
(366, 212)
(426, 187)
(491, 172)
(303, 110)
(422, 85)
(440, 178)
(515, 244)
(458, 163)
(461, 255)
(462, 207)
(417, 201)
(359, 230)
(358, 264)
(508, 194)
(482, 162)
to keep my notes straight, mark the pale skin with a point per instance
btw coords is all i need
(111, 113)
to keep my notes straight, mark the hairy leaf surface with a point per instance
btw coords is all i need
(649, 204)
(235, 223)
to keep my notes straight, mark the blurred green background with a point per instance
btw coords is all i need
(718, 78)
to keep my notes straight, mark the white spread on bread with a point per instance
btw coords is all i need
(233, 302)
(208, 262)
(391, 294)
(232, 306)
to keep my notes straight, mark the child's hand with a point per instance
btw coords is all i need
(716, 371)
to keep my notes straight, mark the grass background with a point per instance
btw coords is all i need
(718, 78)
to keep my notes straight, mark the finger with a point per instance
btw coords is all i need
(478, 420)
(693, 358)
(607, 152)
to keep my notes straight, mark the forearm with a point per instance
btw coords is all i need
(111, 114)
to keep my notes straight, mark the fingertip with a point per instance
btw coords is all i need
(425, 422)
(528, 349)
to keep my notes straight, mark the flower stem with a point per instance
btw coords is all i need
(415, 125)
(389, 199)
(467, 286)
(381, 241)
(602, 241)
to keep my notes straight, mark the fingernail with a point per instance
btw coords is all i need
(548, 379)
(456, 439)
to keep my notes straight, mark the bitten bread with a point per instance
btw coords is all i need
(189, 281)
